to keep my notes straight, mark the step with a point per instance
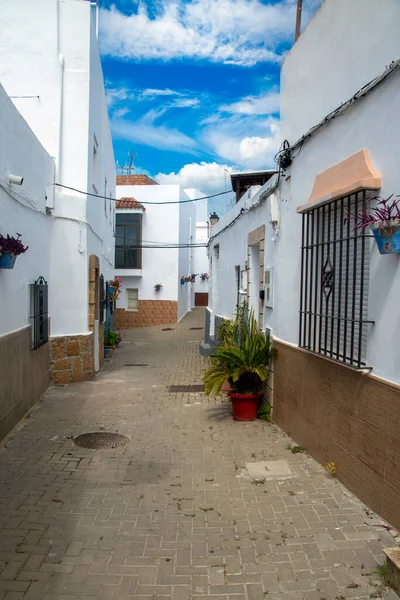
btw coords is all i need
(393, 568)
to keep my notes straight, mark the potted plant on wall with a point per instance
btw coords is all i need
(245, 364)
(10, 248)
(204, 276)
(158, 287)
(384, 221)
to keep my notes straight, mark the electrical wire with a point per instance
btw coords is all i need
(67, 187)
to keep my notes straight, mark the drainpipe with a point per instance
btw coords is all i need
(61, 61)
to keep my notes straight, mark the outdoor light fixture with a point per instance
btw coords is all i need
(214, 218)
(15, 179)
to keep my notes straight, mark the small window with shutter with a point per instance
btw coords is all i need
(133, 299)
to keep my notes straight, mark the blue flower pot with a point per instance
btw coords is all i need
(387, 237)
(182, 282)
(7, 260)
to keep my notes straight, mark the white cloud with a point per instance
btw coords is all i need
(116, 95)
(146, 131)
(251, 143)
(241, 32)
(153, 93)
(209, 178)
(266, 103)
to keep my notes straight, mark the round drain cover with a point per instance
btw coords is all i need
(101, 440)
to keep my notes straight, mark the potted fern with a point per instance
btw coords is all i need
(244, 363)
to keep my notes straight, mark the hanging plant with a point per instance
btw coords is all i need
(187, 279)
(114, 289)
(183, 280)
(10, 248)
(384, 221)
(158, 287)
(204, 276)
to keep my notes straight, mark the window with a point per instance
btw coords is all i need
(95, 163)
(39, 315)
(128, 240)
(132, 299)
(268, 288)
(334, 282)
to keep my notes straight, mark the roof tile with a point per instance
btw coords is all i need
(135, 180)
(129, 203)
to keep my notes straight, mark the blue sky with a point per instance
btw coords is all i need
(193, 86)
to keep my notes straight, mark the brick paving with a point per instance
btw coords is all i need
(172, 514)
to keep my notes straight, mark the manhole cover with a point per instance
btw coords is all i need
(136, 365)
(168, 329)
(186, 388)
(196, 328)
(101, 439)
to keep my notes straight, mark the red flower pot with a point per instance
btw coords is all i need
(245, 406)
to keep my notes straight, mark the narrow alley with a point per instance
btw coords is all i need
(175, 513)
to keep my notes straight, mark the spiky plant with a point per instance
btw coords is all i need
(244, 362)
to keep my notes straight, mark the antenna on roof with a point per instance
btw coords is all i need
(128, 167)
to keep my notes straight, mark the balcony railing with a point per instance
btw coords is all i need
(128, 258)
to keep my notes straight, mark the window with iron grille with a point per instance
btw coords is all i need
(39, 315)
(334, 282)
(128, 241)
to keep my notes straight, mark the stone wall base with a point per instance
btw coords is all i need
(150, 313)
(72, 358)
(24, 377)
(340, 415)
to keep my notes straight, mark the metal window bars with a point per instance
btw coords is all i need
(39, 313)
(334, 282)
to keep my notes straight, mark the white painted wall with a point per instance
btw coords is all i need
(160, 223)
(49, 51)
(187, 266)
(339, 51)
(373, 123)
(22, 210)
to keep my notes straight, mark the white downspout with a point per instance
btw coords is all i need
(61, 61)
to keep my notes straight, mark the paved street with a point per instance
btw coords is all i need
(174, 514)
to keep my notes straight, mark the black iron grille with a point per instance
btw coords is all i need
(39, 313)
(334, 282)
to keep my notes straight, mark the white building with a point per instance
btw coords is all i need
(24, 371)
(330, 299)
(50, 67)
(154, 245)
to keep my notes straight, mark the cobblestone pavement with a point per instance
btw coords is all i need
(172, 514)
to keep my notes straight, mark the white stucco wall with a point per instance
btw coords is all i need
(61, 68)
(373, 124)
(22, 210)
(339, 51)
(187, 234)
(160, 224)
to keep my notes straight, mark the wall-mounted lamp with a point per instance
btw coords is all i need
(16, 179)
(214, 218)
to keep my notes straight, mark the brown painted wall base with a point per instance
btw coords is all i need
(24, 377)
(150, 313)
(72, 358)
(346, 417)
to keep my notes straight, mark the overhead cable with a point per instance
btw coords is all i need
(67, 187)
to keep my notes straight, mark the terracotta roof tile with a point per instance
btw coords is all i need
(129, 203)
(135, 180)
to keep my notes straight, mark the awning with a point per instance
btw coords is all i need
(354, 174)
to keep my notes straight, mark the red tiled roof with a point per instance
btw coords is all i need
(135, 180)
(129, 203)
